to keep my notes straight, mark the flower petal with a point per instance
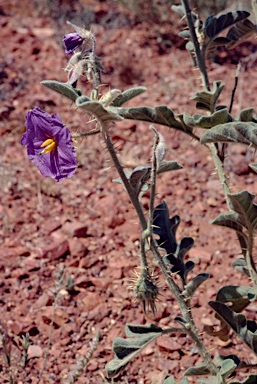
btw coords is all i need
(72, 41)
(59, 163)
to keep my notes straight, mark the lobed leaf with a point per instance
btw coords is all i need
(237, 295)
(126, 349)
(237, 132)
(219, 117)
(96, 109)
(247, 115)
(158, 115)
(246, 329)
(242, 203)
(192, 286)
(240, 32)
(207, 99)
(214, 25)
(166, 229)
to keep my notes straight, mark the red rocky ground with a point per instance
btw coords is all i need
(85, 224)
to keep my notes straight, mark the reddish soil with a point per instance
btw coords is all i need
(85, 224)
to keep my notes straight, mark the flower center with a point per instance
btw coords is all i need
(50, 145)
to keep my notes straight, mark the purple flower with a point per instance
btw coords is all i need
(72, 41)
(49, 144)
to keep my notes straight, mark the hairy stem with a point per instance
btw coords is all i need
(190, 328)
(249, 258)
(129, 189)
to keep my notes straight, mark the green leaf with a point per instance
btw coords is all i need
(237, 295)
(214, 25)
(246, 329)
(170, 380)
(248, 131)
(197, 371)
(253, 166)
(247, 115)
(167, 166)
(218, 117)
(62, 88)
(96, 109)
(241, 266)
(126, 349)
(158, 115)
(166, 229)
(224, 133)
(127, 95)
(133, 330)
(192, 286)
(228, 366)
(207, 99)
(138, 178)
(242, 203)
(240, 32)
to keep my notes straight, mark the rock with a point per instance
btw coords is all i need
(34, 351)
(74, 229)
(77, 248)
(56, 250)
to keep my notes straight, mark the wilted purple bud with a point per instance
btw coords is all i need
(72, 41)
(49, 144)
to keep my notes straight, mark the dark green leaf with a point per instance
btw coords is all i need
(158, 115)
(240, 32)
(224, 133)
(166, 166)
(214, 25)
(62, 88)
(96, 109)
(170, 380)
(253, 166)
(126, 349)
(192, 286)
(237, 295)
(133, 330)
(245, 329)
(241, 266)
(247, 115)
(242, 203)
(219, 117)
(166, 229)
(127, 95)
(197, 371)
(139, 178)
(207, 99)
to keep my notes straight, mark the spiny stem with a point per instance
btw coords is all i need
(199, 57)
(191, 329)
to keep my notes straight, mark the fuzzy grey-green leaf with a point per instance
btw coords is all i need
(62, 88)
(127, 95)
(96, 109)
(208, 99)
(198, 120)
(158, 115)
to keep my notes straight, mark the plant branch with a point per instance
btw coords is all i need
(190, 327)
(129, 189)
(199, 57)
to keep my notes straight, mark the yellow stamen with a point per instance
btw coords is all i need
(49, 144)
